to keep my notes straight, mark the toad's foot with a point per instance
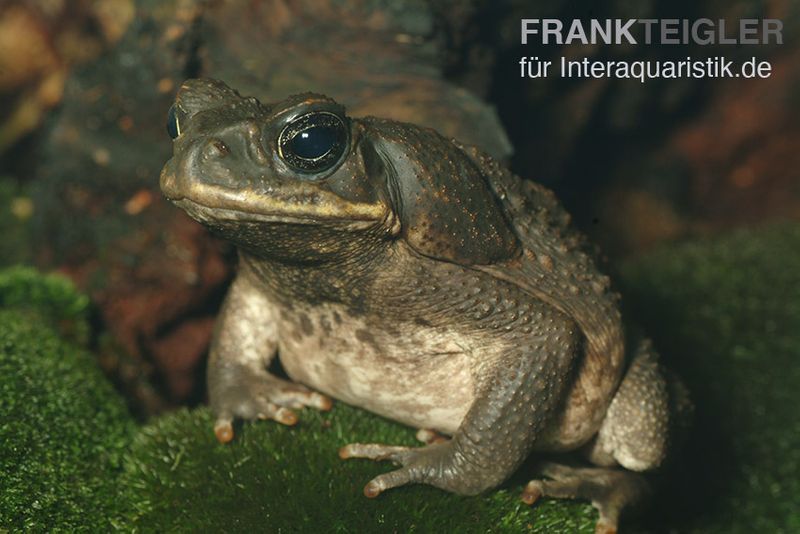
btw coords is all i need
(434, 464)
(259, 395)
(610, 490)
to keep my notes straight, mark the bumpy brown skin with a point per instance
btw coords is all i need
(417, 278)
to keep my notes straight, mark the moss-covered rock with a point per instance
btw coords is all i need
(63, 429)
(51, 300)
(277, 478)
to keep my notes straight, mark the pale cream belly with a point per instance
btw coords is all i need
(420, 378)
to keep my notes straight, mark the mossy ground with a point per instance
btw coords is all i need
(63, 429)
(291, 479)
(725, 313)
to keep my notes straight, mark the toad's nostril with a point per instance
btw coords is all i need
(216, 149)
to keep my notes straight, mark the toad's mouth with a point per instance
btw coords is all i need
(212, 203)
(207, 214)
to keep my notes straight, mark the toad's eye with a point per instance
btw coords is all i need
(313, 142)
(173, 126)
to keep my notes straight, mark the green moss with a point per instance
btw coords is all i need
(726, 314)
(291, 479)
(51, 298)
(63, 429)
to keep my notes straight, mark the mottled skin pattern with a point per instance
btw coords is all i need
(418, 279)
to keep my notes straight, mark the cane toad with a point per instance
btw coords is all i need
(415, 277)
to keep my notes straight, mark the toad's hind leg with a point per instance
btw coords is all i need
(647, 418)
(610, 490)
(648, 415)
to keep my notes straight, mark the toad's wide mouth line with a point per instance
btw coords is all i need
(209, 203)
(204, 213)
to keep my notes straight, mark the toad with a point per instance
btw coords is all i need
(413, 276)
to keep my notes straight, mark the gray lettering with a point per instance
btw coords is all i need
(668, 31)
(551, 27)
(576, 33)
(723, 39)
(603, 31)
(624, 30)
(707, 36)
(648, 29)
(773, 27)
(702, 31)
(748, 31)
(527, 30)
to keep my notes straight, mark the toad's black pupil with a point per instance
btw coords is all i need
(172, 123)
(314, 142)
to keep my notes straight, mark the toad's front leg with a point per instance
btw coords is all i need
(520, 381)
(245, 341)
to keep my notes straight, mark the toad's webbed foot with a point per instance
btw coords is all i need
(437, 464)
(610, 490)
(241, 392)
